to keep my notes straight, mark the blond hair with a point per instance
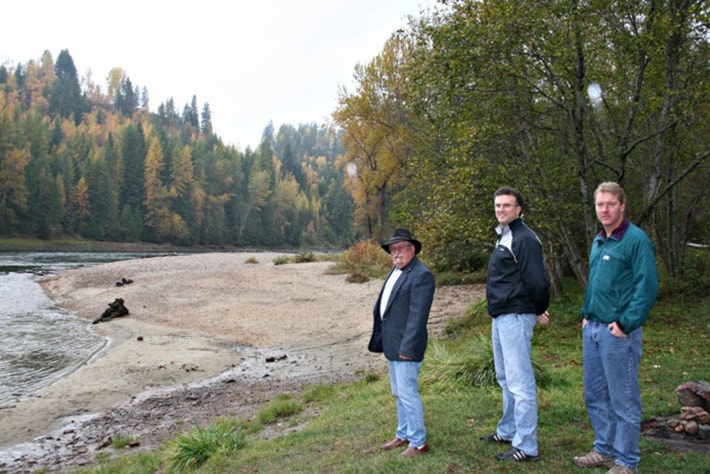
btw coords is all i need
(611, 188)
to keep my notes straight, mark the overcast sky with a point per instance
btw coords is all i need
(253, 61)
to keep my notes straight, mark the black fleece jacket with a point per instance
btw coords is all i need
(517, 281)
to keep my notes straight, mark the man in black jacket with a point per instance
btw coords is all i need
(518, 293)
(400, 331)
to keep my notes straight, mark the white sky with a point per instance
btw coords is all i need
(253, 61)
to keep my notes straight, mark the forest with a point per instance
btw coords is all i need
(77, 161)
(552, 97)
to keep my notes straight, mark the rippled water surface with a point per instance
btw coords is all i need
(41, 343)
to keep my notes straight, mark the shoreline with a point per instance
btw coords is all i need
(207, 335)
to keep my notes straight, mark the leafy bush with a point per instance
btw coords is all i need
(458, 256)
(695, 279)
(460, 278)
(364, 260)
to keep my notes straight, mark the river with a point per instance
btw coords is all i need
(40, 342)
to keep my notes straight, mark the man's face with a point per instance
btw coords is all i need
(402, 253)
(610, 211)
(507, 209)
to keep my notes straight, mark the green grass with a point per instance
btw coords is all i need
(191, 450)
(342, 426)
(282, 407)
(121, 441)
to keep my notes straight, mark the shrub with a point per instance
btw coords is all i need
(281, 260)
(304, 257)
(694, 282)
(251, 260)
(364, 260)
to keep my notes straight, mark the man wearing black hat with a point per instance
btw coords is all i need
(400, 331)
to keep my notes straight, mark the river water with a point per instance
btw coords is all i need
(39, 342)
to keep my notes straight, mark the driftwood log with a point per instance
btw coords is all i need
(115, 309)
(124, 281)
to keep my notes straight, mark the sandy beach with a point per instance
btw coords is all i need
(208, 335)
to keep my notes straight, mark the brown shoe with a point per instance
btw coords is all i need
(395, 443)
(593, 459)
(411, 452)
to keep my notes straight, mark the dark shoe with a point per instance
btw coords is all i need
(411, 452)
(395, 443)
(494, 438)
(514, 454)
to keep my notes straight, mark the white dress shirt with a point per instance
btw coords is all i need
(389, 284)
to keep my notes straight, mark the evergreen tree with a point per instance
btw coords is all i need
(126, 98)
(206, 119)
(66, 98)
(132, 196)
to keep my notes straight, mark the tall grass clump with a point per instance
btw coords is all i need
(121, 441)
(362, 261)
(283, 406)
(466, 359)
(192, 449)
(468, 365)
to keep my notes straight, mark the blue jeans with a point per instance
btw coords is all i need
(404, 380)
(611, 391)
(512, 336)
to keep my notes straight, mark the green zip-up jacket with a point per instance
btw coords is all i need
(623, 280)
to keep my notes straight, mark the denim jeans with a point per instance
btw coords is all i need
(611, 391)
(512, 336)
(404, 380)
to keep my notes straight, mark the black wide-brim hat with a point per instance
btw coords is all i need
(402, 235)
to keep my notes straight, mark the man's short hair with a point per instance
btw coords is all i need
(510, 191)
(611, 188)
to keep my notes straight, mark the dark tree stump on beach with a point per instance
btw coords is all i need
(124, 281)
(114, 310)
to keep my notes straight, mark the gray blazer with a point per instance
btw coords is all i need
(403, 327)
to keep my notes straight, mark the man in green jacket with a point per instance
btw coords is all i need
(622, 288)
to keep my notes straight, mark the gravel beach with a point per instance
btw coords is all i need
(208, 335)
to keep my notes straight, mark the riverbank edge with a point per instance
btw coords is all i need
(18, 244)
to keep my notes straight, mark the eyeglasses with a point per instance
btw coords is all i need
(400, 248)
(506, 206)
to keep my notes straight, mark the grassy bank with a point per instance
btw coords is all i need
(340, 428)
